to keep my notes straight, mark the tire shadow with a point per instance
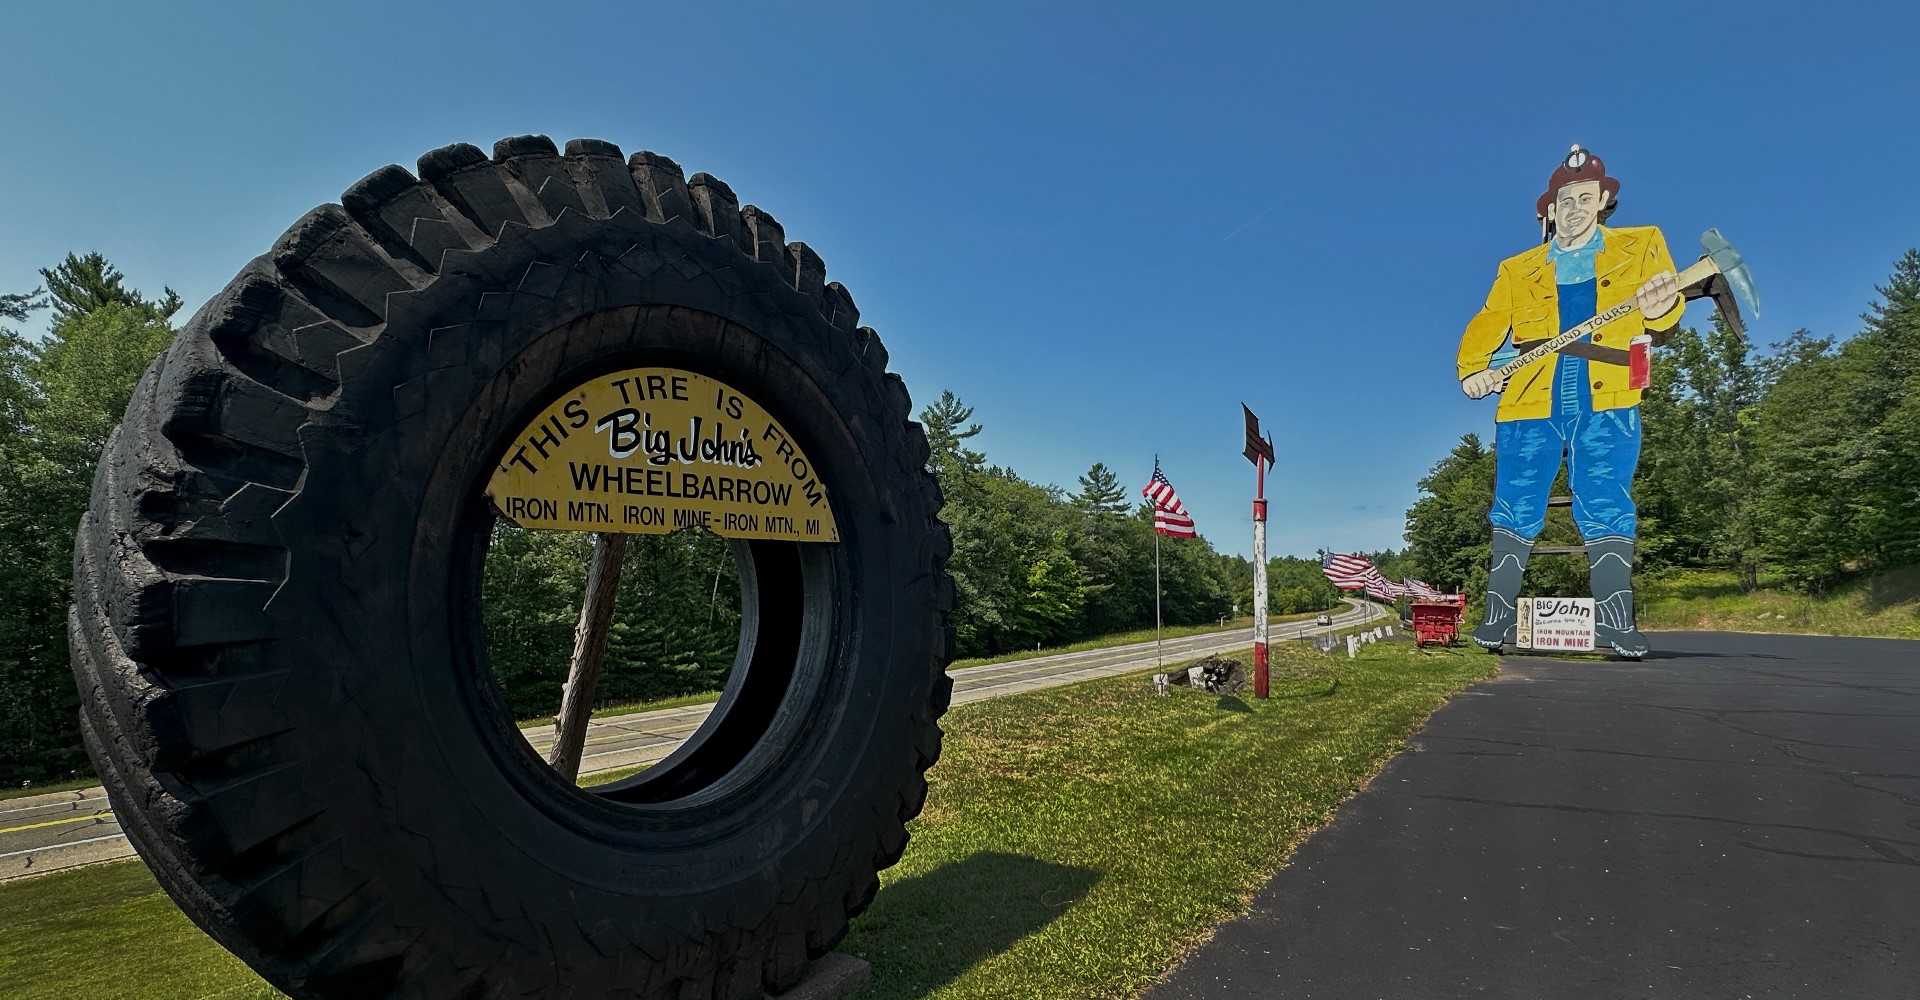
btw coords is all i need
(923, 932)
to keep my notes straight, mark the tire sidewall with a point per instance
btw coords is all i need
(406, 749)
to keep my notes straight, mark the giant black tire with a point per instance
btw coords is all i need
(275, 626)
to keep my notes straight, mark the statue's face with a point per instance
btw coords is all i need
(1576, 210)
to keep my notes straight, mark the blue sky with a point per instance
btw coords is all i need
(1103, 225)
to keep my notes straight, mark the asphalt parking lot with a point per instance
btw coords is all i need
(1735, 816)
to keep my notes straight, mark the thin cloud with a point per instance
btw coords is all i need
(1263, 214)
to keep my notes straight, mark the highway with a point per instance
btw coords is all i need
(41, 833)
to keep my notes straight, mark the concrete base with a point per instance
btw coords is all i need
(835, 975)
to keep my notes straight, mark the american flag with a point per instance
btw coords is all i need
(1346, 571)
(1382, 588)
(1170, 516)
(1420, 589)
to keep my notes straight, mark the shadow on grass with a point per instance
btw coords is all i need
(923, 932)
(1230, 703)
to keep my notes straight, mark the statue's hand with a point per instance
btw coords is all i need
(1481, 384)
(1658, 296)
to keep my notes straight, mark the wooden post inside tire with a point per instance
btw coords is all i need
(589, 649)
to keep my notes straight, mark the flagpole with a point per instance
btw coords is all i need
(1159, 657)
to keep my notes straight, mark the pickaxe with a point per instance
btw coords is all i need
(1726, 276)
(1720, 274)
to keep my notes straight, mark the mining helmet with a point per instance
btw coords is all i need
(1579, 165)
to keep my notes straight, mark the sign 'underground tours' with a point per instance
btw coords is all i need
(654, 450)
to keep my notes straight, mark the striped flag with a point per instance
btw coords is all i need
(1380, 587)
(1420, 589)
(1347, 572)
(1170, 516)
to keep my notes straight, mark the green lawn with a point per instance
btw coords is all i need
(57, 786)
(1884, 605)
(107, 932)
(1076, 841)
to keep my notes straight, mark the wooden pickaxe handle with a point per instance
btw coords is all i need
(1700, 271)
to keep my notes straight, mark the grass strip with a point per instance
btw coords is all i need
(630, 708)
(609, 777)
(1076, 842)
(1885, 605)
(107, 931)
(74, 785)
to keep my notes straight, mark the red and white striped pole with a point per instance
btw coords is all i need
(1260, 578)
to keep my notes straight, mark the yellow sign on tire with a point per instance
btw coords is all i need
(654, 450)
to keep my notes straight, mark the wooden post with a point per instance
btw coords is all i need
(589, 648)
(1259, 451)
(1260, 579)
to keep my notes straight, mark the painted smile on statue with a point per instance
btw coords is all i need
(1576, 211)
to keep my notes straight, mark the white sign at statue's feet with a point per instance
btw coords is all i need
(1563, 624)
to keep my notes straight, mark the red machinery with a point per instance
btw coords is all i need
(1437, 622)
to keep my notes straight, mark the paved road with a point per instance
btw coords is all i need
(63, 829)
(58, 830)
(1737, 816)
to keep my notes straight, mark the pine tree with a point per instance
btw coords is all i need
(945, 421)
(1101, 493)
(1109, 602)
(83, 284)
(17, 306)
(676, 621)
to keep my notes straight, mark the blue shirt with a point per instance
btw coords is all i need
(1571, 267)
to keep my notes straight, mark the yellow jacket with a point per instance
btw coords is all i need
(1525, 300)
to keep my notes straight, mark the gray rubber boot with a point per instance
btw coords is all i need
(1510, 553)
(1610, 571)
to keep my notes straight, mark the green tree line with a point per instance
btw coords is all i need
(1036, 564)
(1802, 461)
(1032, 563)
(60, 396)
(676, 616)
